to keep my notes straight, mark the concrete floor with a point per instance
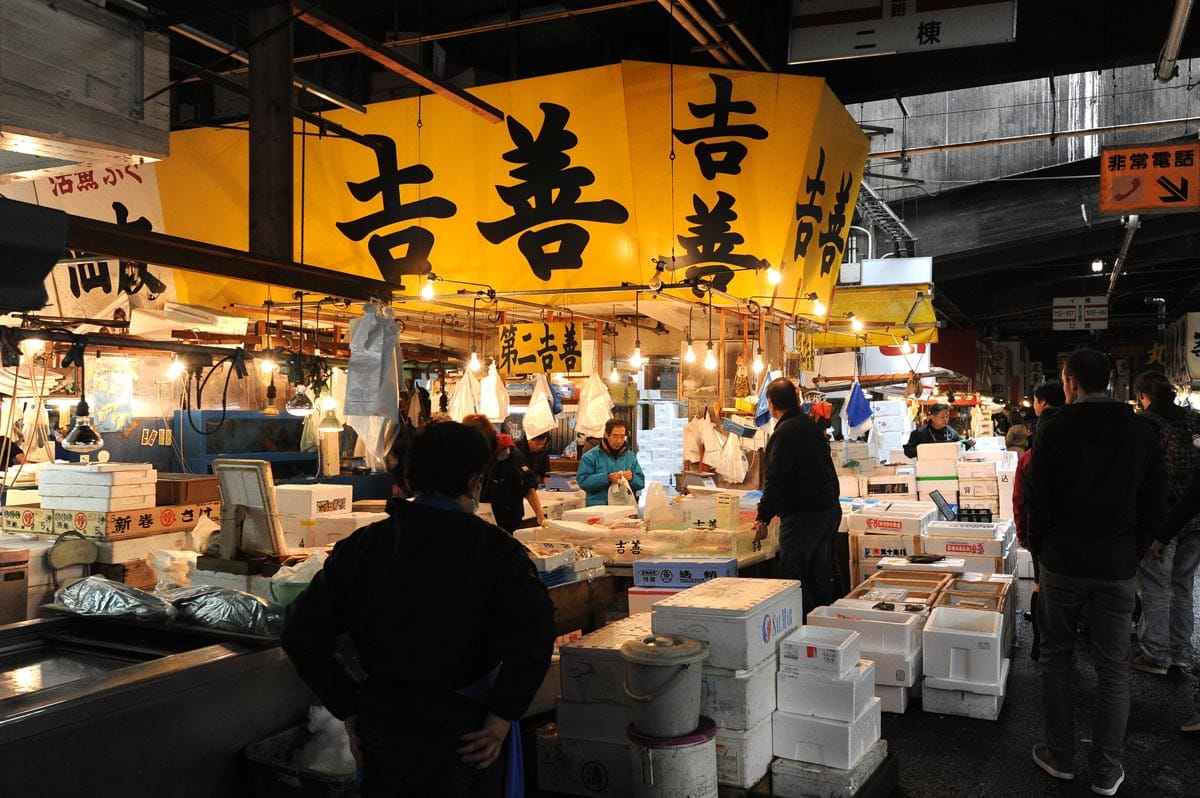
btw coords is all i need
(943, 755)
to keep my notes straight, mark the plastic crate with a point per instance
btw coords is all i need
(276, 774)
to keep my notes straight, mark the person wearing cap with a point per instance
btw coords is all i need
(537, 454)
(936, 429)
(507, 480)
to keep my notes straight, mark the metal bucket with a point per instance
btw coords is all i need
(678, 767)
(662, 680)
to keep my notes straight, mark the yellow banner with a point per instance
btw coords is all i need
(883, 312)
(576, 189)
(541, 346)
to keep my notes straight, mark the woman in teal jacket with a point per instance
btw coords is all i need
(604, 465)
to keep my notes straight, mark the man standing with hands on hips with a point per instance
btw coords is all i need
(801, 487)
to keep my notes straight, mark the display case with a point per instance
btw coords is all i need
(202, 436)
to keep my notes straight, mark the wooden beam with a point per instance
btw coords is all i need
(105, 238)
(271, 180)
(411, 70)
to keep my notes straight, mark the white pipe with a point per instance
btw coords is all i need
(1131, 226)
(1165, 69)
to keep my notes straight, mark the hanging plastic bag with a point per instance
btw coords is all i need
(373, 374)
(555, 400)
(733, 465)
(376, 436)
(655, 499)
(691, 441)
(539, 418)
(493, 395)
(595, 408)
(711, 441)
(620, 494)
(308, 433)
(464, 400)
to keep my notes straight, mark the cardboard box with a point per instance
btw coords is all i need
(744, 755)
(329, 528)
(832, 743)
(582, 767)
(832, 650)
(809, 692)
(308, 501)
(739, 699)
(186, 488)
(134, 523)
(30, 520)
(681, 571)
(742, 620)
(849, 486)
(947, 486)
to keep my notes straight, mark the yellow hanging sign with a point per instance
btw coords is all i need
(539, 347)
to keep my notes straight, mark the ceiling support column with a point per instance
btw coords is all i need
(271, 171)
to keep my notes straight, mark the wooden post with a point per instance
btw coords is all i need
(271, 171)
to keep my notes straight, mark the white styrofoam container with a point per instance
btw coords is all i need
(834, 743)
(549, 555)
(889, 521)
(744, 755)
(97, 474)
(742, 620)
(986, 530)
(218, 579)
(582, 767)
(892, 698)
(332, 527)
(878, 630)
(982, 688)
(947, 486)
(963, 644)
(820, 648)
(978, 488)
(1005, 477)
(605, 723)
(820, 693)
(950, 565)
(676, 572)
(114, 551)
(643, 599)
(140, 490)
(309, 501)
(938, 451)
(738, 699)
(592, 668)
(793, 779)
(605, 513)
(900, 669)
(137, 501)
(981, 706)
(964, 546)
(1024, 564)
(887, 407)
(888, 486)
(974, 469)
(848, 486)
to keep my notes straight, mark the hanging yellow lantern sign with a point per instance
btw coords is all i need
(539, 347)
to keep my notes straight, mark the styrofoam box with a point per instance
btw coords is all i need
(40, 572)
(605, 723)
(978, 488)
(981, 688)
(833, 743)
(897, 455)
(792, 779)
(878, 630)
(887, 486)
(332, 527)
(549, 555)
(1006, 476)
(140, 490)
(936, 469)
(947, 486)
(114, 551)
(870, 546)
(739, 699)
(981, 706)
(309, 501)
(742, 620)
(887, 424)
(137, 501)
(950, 565)
(744, 755)
(219, 579)
(974, 469)
(820, 648)
(1024, 564)
(582, 767)
(887, 407)
(938, 451)
(605, 513)
(985, 530)
(681, 571)
(899, 669)
(592, 668)
(964, 546)
(963, 644)
(97, 474)
(643, 599)
(888, 521)
(848, 486)
(809, 692)
(892, 698)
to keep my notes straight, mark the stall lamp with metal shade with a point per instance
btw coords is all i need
(330, 422)
(300, 404)
(83, 438)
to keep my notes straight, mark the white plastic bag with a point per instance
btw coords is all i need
(372, 377)
(464, 401)
(691, 441)
(655, 499)
(711, 439)
(620, 494)
(733, 465)
(493, 395)
(539, 418)
(595, 408)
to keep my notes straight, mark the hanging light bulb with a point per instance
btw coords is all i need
(905, 347)
(614, 376)
(690, 354)
(266, 365)
(636, 360)
(855, 322)
(32, 347)
(427, 289)
(819, 307)
(330, 421)
(710, 360)
(758, 362)
(474, 364)
(300, 404)
(774, 276)
(176, 369)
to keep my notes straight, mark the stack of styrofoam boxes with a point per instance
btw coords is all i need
(888, 487)
(891, 529)
(656, 578)
(889, 638)
(860, 453)
(300, 506)
(937, 470)
(890, 428)
(828, 714)
(986, 547)
(978, 488)
(588, 752)
(965, 670)
(660, 448)
(97, 487)
(742, 620)
(985, 593)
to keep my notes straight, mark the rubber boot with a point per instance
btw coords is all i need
(1034, 650)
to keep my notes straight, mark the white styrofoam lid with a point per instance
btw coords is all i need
(610, 637)
(726, 595)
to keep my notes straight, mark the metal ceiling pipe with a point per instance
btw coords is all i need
(711, 31)
(724, 19)
(1165, 68)
(686, 23)
(1131, 226)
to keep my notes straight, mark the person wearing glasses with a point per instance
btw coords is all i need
(603, 466)
(936, 429)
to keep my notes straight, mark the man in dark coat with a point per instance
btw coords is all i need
(1095, 494)
(453, 629)
(801, 487)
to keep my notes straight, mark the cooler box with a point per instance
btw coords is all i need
(681, 571)
(738, 699)
(832, 743)
(591, 667)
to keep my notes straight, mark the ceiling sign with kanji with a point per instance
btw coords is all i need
(540, 346)
(577, 188)
(1150, 177)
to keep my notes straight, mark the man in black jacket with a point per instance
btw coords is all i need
(1094, 495)
(801, 488)
(452, 626)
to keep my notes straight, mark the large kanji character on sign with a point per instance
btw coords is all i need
(549, 191)
(724, 157)
(708, 253)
